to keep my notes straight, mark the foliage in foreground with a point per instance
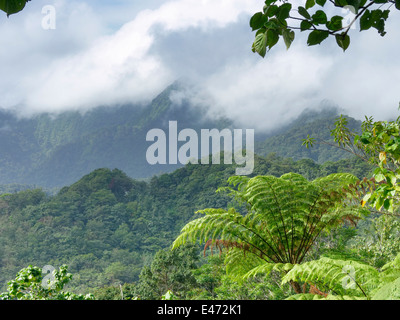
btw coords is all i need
(281, 19)
(346, 280)
(31, 284)
(378, 143)
(12, 6)
(285, 216)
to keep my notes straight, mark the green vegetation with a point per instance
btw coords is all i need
(52, 151)
(12, 6)
(106, 227)
(379, 144)
(285, 216)
(308, 224)
(30, 284)
(281, 19)
(316, 124)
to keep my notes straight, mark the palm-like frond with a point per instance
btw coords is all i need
(310, 296)
(338, 277)
(346, 279)
(285, 216)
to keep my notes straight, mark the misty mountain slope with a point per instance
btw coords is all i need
(317, 124)
(53, 151)
(56, 151)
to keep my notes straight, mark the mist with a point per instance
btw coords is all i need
(107, 55)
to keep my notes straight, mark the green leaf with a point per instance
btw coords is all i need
(397, 4)
(385, 14)
(321, 2)
(355, 4)
(341, 3)
(257, 21)
(304, 12)
(366, 21)
(388, 204)
(272, 24)
(12, 6)
(379, 177)
(365, 199)
(335, 23)
(272, 37)
(305, 25)
(284, 11)
(268, 2)
(271, 10)
(343, 41)
(377, 18)
(379, 202)
(316, 37)
(260, 44)
(288, 37)
(319, 17)
(310, 4)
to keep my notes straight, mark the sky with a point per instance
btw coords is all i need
(103, 52)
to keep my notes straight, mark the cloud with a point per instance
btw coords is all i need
(95, 57)
(116, 68)
(365, 79)
(265, 93)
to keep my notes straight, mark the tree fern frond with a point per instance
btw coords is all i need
(338, 276)
(306, 296)
(310, 296)
(239, 262)
(267, 268)
(285, 217)
(389, 291)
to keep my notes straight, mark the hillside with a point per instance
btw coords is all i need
(107, 226)
(54, 151)
(288, 142)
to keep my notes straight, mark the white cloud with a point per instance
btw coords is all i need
(116, 68)
(87, 62)
(265, 93)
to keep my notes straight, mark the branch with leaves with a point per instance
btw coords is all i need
(285, 216)
(379, 144)
(279, 19)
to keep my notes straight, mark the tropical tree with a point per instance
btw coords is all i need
(31, 284)
(284, 217)
(378, 242)
(379, 144)
(321, 18)
(334, 279)
(169, 271)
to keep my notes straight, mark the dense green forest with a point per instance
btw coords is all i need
(83, 215)
(107, 226)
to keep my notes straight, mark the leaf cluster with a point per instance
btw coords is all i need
(285, 215)
(279, 19)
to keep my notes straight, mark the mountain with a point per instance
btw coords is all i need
(318, 124)
(106, 226)
(54, 151)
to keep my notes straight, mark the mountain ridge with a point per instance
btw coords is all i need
(54, 151)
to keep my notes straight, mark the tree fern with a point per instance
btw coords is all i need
(285, 215)
(338, 277)
(347, 279)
